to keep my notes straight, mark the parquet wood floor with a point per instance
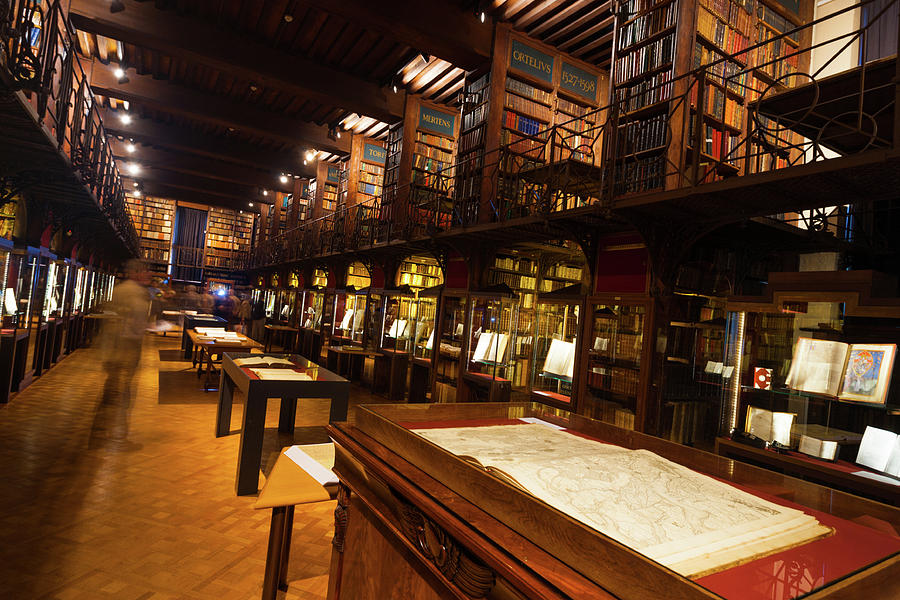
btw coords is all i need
(136, 503)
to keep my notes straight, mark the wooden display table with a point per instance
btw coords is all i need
(42, 333)
(321, 384)
(288, 337)
(498, 389)
(192, 321)
(838, 474)
(416, 521)
(209, 352)
(347, 361)
(311, 344)
(74, 333)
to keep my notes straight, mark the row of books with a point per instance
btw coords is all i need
(721, 34)
(435, 140)
(528, 107)
(725, 72)
(720, 107)
(573, 108)
(565, 272)
(525, 146)
(523, 124)
(373, 178)
(736, 14)
(776, 322)
(474, 117)
(647, 25)
(631, 8)
(471, 140)
(522, 265)
(617, 380)
(371, 189)
(426, 151)
(774, 52)
(645, 92)
(777, 22)
(641, 175)
(528, 91)
(642, 135)
(431, 165)
(516, 282)
(718, 144)
(646, 58)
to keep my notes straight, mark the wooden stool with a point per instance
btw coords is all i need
(290, 484)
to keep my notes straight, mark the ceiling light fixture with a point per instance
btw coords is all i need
(136, 184)
(250, 204)
(134, 168)
(283, 178)
(265, 193)
(137, 193)
(130, 147)
(125, 118)
(288, 18)
(482, 16)
(119, 73)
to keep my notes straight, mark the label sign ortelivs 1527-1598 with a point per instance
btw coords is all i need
(578, 81)
(532, 61)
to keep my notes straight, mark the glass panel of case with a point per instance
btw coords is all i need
(555, 343)
(314, 304)
(426, 313)
(493, 323)
(399, 321)
(374, 320)
(614, 363)
(453, 309)
(350, 311)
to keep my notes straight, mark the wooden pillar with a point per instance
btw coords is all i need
(490, 169)
(263, 223)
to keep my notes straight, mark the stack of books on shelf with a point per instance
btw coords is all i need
(371, 177)
(639, 136)
(647, 24)
(714, 26)
(645, 58)
(329, 195)
(419, 275)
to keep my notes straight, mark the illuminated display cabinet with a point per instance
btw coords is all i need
(423, 344)
(555, 345)
(450, 347)
(490, 364)
(808, 380)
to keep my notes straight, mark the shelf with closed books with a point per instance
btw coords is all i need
(419, 272)
(153, 220)
(616, 369)
(389, 211)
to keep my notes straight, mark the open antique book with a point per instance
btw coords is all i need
(690, 522)
(560, 361)
(859, 372)
(768, 425)
(880, 450)
(491, 347)
(260, 361)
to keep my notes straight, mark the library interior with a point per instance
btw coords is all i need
(449, 299)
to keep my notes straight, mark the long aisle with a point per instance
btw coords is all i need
(99, 500)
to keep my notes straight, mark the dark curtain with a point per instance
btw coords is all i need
(190, 238)
(881, 37)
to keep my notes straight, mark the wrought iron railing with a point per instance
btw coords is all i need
(602, 156)
(38, 55)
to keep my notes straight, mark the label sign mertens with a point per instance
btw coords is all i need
(578, 81)
(437, 121)
(532, 61)
(375, 154)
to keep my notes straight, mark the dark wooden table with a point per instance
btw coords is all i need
(390, 373)
(323, 384)
(288, 339)
(8, 349)
(206, 349)
(191, 321)
(348, 361)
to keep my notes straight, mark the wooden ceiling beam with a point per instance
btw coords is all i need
(436, 28)
(199, 42)
(200, 185)
(198, 166)
(153, 133)
(201, 106)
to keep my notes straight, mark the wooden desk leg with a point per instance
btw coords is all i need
(186, 344)
(286, 548)
(273, 554)
(287, 415)
(339, 401)
(226, 397)
(250, 449)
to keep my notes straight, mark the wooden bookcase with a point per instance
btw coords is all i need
(419, 174)
(657, 41)
(528, 88)
(153, 220)
(228, 236)
(325, 189)
(363, 174)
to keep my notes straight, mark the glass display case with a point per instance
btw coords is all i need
(555, 346)
(286, 307)
(398, 319)
(8, 308)
(605, 503)
(450, 349)
(350, 316)
(490, 364)
(616, 366)
(374, 319)
(314, 302)
(811, 378)
(424, 323)
(270, 297)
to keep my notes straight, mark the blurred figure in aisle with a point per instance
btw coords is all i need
(191, 298)
(123, 338)
(207, 303)
(258, 320)
(244, 315)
